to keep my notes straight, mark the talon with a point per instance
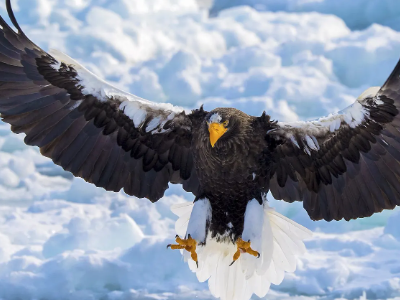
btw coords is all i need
(244, 247)
(232, 263)
(188, 244)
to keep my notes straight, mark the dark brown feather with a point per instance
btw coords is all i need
(92, 138)
(362, 164)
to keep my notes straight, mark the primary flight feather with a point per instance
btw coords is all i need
(344, 166)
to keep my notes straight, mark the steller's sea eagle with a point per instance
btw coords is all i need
(344, 166)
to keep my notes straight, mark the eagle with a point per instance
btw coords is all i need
(343, 166)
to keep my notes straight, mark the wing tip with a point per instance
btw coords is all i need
(12, 17)
(393, 78)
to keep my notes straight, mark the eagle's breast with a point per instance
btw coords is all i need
(228, 178)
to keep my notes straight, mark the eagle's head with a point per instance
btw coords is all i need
(223, 124)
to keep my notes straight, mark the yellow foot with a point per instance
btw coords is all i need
(188, 244)
(243, 247)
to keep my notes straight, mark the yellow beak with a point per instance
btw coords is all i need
(216, 131)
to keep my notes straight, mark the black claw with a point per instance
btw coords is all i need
(258, 256)
(176, 236)
(189, 236)
(232, 263)
(197, 264)
(169, 246)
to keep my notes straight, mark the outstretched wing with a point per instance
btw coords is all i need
(346, 165)
(108, 137)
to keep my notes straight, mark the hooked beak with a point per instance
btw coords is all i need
(216, 131)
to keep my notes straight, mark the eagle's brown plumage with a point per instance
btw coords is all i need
(345, 166)
(233, 172)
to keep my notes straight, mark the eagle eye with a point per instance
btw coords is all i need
(226, 123)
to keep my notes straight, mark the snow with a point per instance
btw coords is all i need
(62, 238)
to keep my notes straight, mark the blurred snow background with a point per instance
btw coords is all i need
(61, 238)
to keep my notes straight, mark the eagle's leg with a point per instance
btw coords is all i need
(200, 219)
(252, 230)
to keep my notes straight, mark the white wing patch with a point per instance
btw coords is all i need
(309, 132)
(136, 108)
(281, 241)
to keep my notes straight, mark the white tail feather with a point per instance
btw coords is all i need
(282, 240)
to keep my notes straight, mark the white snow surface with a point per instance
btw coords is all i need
(62, 238)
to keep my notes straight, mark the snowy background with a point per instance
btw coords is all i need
(61, 238)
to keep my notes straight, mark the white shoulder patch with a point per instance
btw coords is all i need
(309, 132)
(368, 93)
(136, 108)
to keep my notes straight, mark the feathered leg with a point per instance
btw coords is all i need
(252, 231)
(196, 233)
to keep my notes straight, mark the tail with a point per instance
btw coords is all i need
(282, 241)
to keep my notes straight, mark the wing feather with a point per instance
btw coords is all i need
(109, 137)
(346, 165)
